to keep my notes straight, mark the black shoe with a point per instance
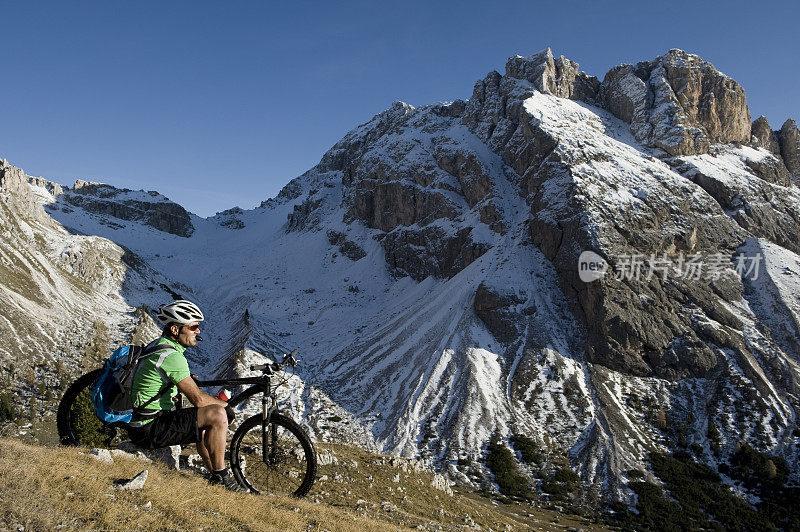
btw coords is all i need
(227, 481)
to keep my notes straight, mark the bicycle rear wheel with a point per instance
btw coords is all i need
(287, 467)
(76, 421)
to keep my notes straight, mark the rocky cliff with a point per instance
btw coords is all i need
(149, 208)
(654, 164)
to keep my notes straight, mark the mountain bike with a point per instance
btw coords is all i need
(269, 452)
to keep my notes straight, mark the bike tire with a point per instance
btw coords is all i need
(75, 419)
(292, 468)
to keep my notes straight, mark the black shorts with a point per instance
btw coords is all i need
(173, 427)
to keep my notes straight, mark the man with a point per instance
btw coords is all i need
(161, 375)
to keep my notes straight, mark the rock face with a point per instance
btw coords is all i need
(762, 136)
(59, 290)
(14, 189)
(427, 178)
(559, 77)
(784, 145)
(408, 252)
(620, 325)
(678, 103)
(230, 218)
(496, 213)
(155, 210)
(500, 312)
(789, 138)
(12, 179)
(348, 248)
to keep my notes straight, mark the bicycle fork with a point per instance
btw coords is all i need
(269, 431)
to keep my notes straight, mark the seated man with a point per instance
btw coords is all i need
(157, 423)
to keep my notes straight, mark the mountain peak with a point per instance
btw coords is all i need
(559, 77)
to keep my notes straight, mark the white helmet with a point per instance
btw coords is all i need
(180, 312)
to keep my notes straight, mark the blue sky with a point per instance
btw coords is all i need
(219, 104)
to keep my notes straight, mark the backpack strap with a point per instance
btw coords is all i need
(167, 383)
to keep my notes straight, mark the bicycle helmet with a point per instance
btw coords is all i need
(180, 312)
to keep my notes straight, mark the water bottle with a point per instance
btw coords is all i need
(224, 395)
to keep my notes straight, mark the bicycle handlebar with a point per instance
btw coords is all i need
(288, 360)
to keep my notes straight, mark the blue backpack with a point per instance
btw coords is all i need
(111, 392)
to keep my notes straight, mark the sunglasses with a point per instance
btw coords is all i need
(193, 327)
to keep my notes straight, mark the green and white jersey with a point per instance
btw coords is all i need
(155, 371)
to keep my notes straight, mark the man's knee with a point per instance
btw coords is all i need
(212, 416)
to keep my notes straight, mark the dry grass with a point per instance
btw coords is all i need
(44, 488)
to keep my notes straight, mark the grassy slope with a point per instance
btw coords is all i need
(43, 487)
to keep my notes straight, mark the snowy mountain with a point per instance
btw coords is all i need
(428, 270)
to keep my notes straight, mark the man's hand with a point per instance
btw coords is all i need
(195, 396)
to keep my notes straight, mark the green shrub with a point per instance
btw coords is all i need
(565, 474)
(656, 512)
(562, 483)
(98, 347)
(8, 409)
(635, 474)
(87, 427)
(527, 448)
(501, 462)
(713, 435)
(697, 499)
(766, 476)
(758, 470)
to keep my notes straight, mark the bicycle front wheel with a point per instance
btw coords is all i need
(286, 465)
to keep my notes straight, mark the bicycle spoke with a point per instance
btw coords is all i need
(285, 466)
(289, 466)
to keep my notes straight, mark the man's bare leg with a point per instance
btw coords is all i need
(213, 424)
(203, 451)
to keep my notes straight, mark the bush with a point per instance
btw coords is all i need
(527, 448)
(758, 470)
(502, 464)
(699, 498)
(8, 410)
(562, 483)
(565, 474)
(656, 512)
(635, 474)
(85, 423)
(766, 476)
(713, 435)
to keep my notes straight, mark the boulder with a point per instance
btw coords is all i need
(136, 483)
(169, 455)
(101, 455)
